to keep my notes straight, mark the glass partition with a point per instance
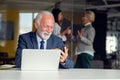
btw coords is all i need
(17, 17)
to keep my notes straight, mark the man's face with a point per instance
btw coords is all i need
(45, 29)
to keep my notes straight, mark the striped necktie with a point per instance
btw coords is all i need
(42, 44)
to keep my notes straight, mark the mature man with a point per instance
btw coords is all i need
(44, 24)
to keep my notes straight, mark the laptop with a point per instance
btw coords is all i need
(36, 59)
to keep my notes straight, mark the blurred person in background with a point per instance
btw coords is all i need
(58, 16)
(84, 49)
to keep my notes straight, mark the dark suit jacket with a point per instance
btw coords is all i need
(29, 41)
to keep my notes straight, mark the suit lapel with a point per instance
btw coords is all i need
(34, 40)
(49, 43)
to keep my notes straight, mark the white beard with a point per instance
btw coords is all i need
(44, 35)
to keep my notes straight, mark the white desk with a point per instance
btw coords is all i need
(62, 74)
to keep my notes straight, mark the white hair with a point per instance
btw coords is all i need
(40, 15)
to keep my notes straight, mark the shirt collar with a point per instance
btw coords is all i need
(38, 41)
(87, 24)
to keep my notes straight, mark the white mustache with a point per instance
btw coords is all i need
(46, 33)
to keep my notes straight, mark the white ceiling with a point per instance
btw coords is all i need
(27, 4)
(66, 5)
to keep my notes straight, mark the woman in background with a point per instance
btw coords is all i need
(84, 48)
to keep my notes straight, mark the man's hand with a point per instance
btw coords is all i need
(64, 55)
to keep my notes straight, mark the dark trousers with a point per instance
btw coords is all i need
(83, 60)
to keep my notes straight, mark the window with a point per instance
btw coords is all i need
(111, 44)
(25, 22)
(35, 14)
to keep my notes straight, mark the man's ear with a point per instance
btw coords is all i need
(36, 25)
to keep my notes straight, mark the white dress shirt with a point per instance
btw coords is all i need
(39, 40)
